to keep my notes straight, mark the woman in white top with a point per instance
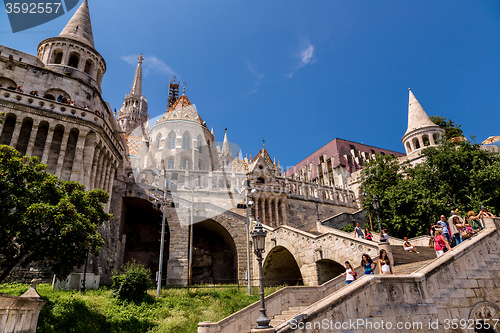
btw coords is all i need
(349, 273)
(384, 263)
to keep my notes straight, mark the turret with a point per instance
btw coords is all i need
(421, 131)
(73, 53)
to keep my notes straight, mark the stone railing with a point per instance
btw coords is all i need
(453, 286)
(278, 301)
(55, 107)
(20, 313)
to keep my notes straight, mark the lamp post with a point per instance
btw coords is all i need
(259, 243)
(376, 206)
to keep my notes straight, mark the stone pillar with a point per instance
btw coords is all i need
(88, 157)
(104, 169)
(421, 141)
(15, 134)
(31, 142)
(177, 265)
(62, 153)
(95, 162)
(48, 143)
(98, 174)
(277, 213)
(78, 161)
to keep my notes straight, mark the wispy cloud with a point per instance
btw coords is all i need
(259, 77)
(305, 56)
(150, 64)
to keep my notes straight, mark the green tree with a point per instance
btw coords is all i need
(452, 176)
(44, 219)
(451, 130)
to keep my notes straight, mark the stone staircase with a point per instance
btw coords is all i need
(286, 315)
(402, 257)
(410, 268)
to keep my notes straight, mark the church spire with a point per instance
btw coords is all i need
(137, 85)
(226, 150)
(417, 118)
(79, 27)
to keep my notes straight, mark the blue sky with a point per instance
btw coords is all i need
(300, 73)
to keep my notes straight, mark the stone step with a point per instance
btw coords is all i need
(402, 257)
(410, 268)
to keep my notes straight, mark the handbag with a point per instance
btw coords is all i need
(465, 234)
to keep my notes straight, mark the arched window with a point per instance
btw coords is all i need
(408, 147)
(416, 143)
(186, 141)
(89, 67)
(185, 164)
(199, 143)
(170, 163)
(158, 141)
(426, 141)
(74, 60)
(200, 166)
(171, 140)
(57, 57)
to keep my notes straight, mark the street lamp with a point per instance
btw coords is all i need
(259, 244)
(376, 206)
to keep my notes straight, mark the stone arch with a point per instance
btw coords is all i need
(99, 76)
(8, 128)
(74, 59)
(24, 135)
(170, 163)
(328, 269)
(416, 143)
(158, 141)
(281, 268)
(89, 67)
(408, 147)
(425, 140)
(141, 225)
(70, 154)
(57, 56)
(186, 163)
(7, 83)
(54, 93)
(41, 138)
(55, 148)
(436, 137)
(215, 257)
(483, 312)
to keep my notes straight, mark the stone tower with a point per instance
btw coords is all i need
(134, 110)
(72, 53)
(421, 132)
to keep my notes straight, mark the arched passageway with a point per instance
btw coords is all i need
(280, 268)
(328, 269)
(214, 254)
(142, 227)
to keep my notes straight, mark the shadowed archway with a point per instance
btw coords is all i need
(142, 227)
(280, 268)
(328, 269)
(214, 254)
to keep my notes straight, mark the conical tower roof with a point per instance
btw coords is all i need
(417, 118)
(226, 150)
(79, 27)
(137, 85)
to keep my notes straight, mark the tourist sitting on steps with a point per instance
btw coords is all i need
(368, 234)
(350, 274)
(408, 247)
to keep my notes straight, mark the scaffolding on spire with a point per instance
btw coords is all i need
(173, 92)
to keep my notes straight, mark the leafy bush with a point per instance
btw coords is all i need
(132, 282)
(348, 228)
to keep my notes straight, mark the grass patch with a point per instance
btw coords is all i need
(177, 310)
